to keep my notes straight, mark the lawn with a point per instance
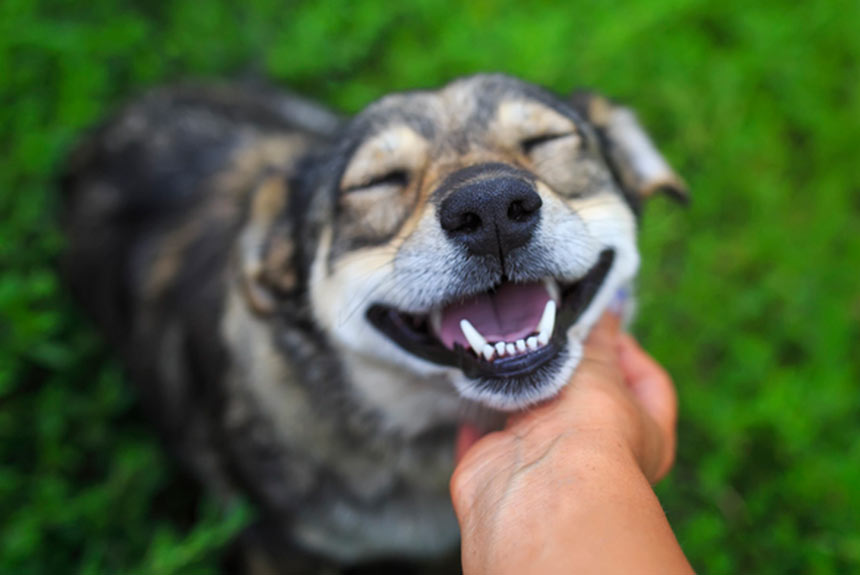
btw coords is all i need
(750, 297)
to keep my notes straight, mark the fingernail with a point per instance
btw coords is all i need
(619, 301)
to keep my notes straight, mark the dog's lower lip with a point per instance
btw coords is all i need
(412, 332)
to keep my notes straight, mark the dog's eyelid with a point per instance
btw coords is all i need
(529, 144)
(395, 178)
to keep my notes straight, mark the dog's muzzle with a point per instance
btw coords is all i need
(516, 328)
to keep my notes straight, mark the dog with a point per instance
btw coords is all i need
(310, 305)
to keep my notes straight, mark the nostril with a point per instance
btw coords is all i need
(517, 212)
(461, 223)
(522, 210)
(470, 222)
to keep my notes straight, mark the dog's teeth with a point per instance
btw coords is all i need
(510, 348)
(521, 345)
(436, 320)
(552, 289)
(547, 323)
(488, 352)
(500, 348)
(532, 343)
(476, 340)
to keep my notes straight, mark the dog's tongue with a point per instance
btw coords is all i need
(511, 312)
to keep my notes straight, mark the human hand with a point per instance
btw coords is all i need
(618, 391)
(614, 421)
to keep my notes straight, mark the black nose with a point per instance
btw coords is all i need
(493, 216)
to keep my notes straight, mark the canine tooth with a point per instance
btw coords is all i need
(500, 348)
(510, 348)
(521, 345)
(552, 288)
(532, 342)
(547, 322)
(488, 352)
(476, 340)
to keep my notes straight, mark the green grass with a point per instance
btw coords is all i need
(751, 297)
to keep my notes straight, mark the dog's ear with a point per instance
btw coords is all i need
(636, 162)
(266, 247)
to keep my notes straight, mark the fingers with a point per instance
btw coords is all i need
(648, 381)
(605, 331)
(653, 388)
(601, 347)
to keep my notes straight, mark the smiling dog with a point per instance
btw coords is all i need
(310, 306)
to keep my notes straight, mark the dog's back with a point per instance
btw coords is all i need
(131, 187)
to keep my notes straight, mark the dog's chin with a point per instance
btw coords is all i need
(511, 393)
(514, 345)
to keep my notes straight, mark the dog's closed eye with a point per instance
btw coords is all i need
(396, 178)
(530, 124)
(529, 145)
(376, 190)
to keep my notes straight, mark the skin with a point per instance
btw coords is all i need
(566, 486)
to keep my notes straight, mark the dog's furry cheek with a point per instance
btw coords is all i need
(340, 293)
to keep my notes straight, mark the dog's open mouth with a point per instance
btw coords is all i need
(508, 331)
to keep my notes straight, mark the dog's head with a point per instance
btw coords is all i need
(478, 231)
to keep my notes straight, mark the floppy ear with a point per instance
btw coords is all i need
(266, 247)
(635, 161)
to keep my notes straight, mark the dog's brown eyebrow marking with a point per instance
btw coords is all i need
(521, 120)
(397, 148)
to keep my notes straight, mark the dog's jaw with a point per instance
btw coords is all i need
(491, 394)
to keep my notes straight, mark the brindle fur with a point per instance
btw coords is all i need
(198, 219)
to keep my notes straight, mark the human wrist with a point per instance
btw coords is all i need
(523, 507)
